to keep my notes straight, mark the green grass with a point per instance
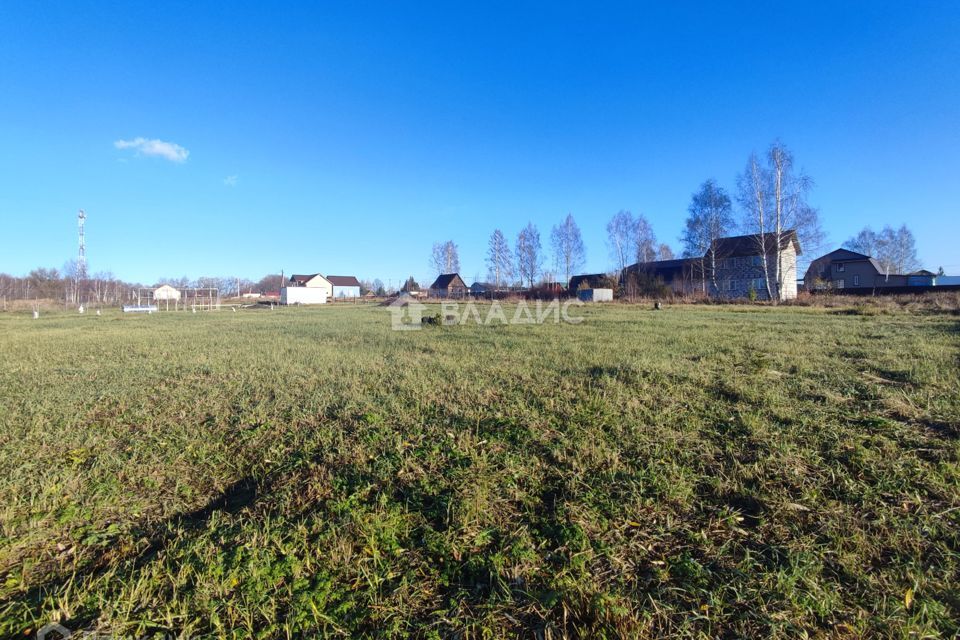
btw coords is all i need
(692, 472)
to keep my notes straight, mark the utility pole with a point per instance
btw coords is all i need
(81, 273)
(82, 255)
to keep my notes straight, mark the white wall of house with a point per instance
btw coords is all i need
(346, 292)
(789, 277)
(319, 282)
(303, 295)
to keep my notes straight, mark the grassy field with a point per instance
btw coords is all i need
(692, 472)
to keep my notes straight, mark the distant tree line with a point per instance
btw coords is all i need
(770, 201)
(103, 287)
(64, 285)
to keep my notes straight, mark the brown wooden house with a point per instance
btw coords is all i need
(449, 285)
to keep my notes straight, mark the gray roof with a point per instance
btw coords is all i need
(749, 245)
(665, 268)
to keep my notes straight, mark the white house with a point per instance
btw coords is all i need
(312, 281)
(344, 286)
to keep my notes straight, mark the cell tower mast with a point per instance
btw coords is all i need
(82, 256)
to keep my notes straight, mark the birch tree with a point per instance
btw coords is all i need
(901, 249)
(866, 242)
(529, 259)
(774, 201)
(499, 259)
(445, 258)
(754, 192)
(894, 249)
(644, 240)
(710, 217)
(568, 251)
(620, 237)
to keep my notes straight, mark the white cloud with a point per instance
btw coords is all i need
(167, 150)
(231, 181)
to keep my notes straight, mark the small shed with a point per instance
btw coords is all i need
(595, 295)
(166, 292)
(587, 281)
(480, 289)
(303, 295)
(921, 278)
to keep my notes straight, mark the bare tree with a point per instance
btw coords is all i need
(774, 200)
(268, 283)
(644, 240)
(528, 254)
(445, 258)
(72, 273)
(568, 249)
(754, 191)
(866, 242)
(664, 252)
(902, 248)
(710, 217)
(620, 237)
(499, 259)
(894, 249)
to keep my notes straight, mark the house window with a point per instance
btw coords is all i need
(757, 261)
(731, 285)
(839, 283)
(856, 280)
(841, 266)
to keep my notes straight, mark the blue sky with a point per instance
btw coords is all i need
(347, 138)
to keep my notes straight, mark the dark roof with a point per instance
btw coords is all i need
(845, 255)
(922, 272)
(593, 280)
(343, 281)
(666, 269)
(446, 280)
(749, 245)
(303, 279)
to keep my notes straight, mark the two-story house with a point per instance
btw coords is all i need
(846, 270)
(732, 268)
